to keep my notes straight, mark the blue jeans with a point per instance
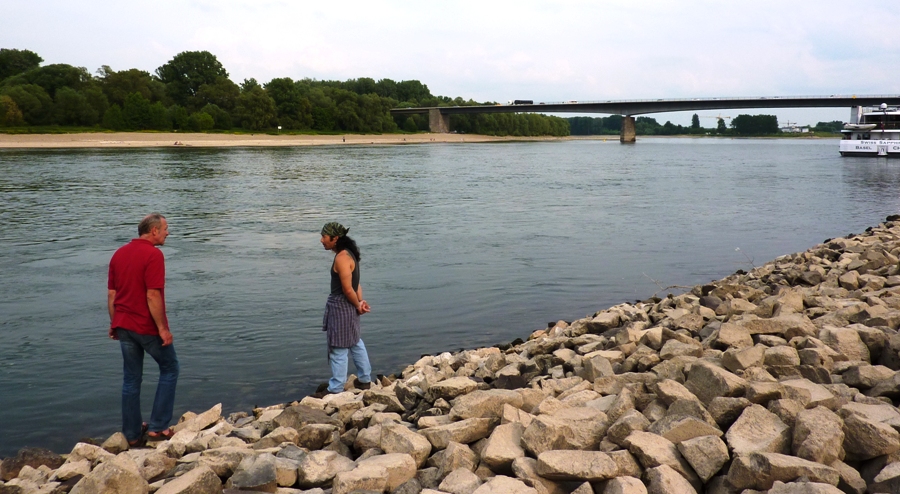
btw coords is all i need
(338, 361)
(133, 347)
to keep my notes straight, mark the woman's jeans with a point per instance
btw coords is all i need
(133, 347)
(337, 358)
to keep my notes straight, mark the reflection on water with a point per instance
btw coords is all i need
(462, 246)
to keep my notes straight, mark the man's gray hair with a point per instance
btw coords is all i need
(149, 222)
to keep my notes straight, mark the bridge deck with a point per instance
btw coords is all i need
(638, 107)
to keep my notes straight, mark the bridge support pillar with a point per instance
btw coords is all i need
(627, 134)
(438, 122)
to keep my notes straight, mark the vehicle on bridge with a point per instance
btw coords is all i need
(872, 131)
(521, 102)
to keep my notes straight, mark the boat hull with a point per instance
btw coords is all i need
(871, 147)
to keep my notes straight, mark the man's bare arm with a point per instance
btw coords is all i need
(111, 305)
(158, 313)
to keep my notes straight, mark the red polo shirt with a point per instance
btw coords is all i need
(135, 268)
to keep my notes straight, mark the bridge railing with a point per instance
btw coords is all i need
(719, 98)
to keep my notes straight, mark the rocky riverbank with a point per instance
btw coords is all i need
(780, 380)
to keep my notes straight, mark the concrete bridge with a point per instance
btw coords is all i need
(439, 117)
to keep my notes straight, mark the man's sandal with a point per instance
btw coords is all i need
(166, 434)
(137, 443)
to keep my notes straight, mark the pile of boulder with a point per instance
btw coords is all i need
(783, 379)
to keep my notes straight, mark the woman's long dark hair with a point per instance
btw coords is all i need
(347, 243)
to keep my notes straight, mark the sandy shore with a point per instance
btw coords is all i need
(177, 139)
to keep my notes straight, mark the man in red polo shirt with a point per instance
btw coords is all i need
(137, 314)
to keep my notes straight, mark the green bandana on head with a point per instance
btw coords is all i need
(334, 229)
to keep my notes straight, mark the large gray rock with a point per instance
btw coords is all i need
(297, 416)
(112, 477)
(525, 469)
(678, 429)
(460, 481)
(319, 467)
(484, 403)
(731, 336)
(380, 473)
(865, 438)
(388, 399)
(851, 482)
(624, 485)
(568, 428)
(360, 479)
(588, 466)
(803, 488)
(706, 455)
(887, 480)
(454, 456)
(225, 460)
(818, 436)
(286, 471)
(465, 432)
(201, 421)
(255, 473)
(664, 480)
(761, 470)
(633, 420)
(738, 359)
(845, 341)
(668, 391)
(502, 484)
(758, 430)
(866, 376)
(653, 450)
(451, 388)
(396, 438)
(708, 381)
(503, 447)
(199, 480)
(810, 393)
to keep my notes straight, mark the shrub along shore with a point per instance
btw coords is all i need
(781, 380)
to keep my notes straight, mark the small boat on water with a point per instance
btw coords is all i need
(872, 131)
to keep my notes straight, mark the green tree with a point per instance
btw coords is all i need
(179, 116)
(222, 93)
(113, 118)
(294, 110)
(720, 127)
(755, 124)
(53, 77)
(834, 126)
(14, 62)
(35, 104)
(187, 72)
(159, 117)
(221, 118)
(695, 122)
(255, 109)
(10, 114)
(200, 121)
(136, 112)
(118, 85)
(73, 108)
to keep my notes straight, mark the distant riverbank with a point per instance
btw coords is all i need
(178, 139)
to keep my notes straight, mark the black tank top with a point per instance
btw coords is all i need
(336, 288)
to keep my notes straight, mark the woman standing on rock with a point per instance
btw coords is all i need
(345, 305)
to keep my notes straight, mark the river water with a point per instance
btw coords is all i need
(463, 245)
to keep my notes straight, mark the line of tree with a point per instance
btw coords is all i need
(743, 125)
(193, 92)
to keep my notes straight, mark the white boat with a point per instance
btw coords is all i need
(872, 132)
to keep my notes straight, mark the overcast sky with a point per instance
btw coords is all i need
(497, 50)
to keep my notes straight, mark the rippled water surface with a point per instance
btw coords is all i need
(462, 246)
